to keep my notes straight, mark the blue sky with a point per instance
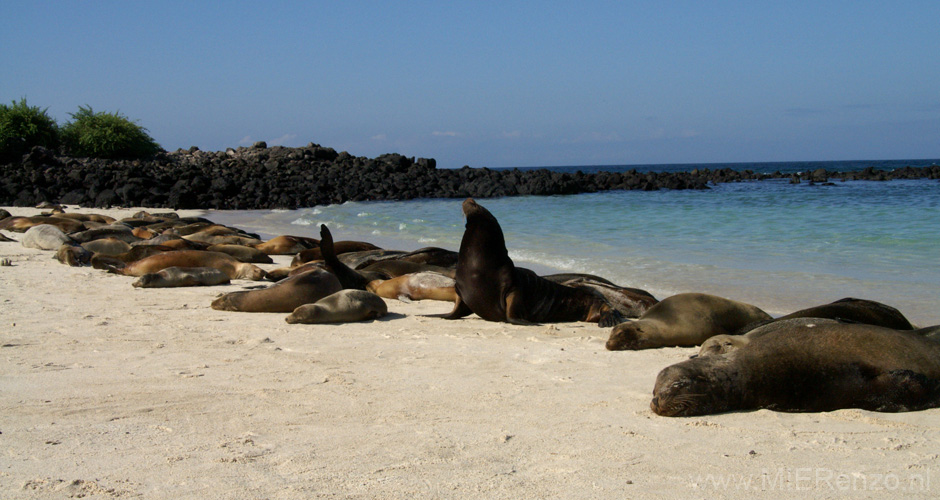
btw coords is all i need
(497, 84)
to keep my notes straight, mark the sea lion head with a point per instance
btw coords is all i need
(251, 272)
(628, 336)
(691, 388)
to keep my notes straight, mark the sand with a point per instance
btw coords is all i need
(111, 391)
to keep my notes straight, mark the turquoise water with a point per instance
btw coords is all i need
(779, 246)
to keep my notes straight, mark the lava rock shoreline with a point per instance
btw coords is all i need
(261, 177)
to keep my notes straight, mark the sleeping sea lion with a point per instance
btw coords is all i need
(344, 306)
(283, 296)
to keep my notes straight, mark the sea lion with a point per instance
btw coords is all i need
(123, 233)
(851, 310)
(223, 239)
(22, 224)
(107, 246)
(723, 344)
(182, 276)
(808, 369)
(283, 296)
(286, 245)
(193, 258)
(348, 277)
(119, 261)
(686, 319)
(73, 255)
(394, 268)
(344, 306)
(490, 285)
(339, 247)
(243, 253)
(45, 237)
(433, 256)
(629, 302)
(104, 219)
(416, 286)
(6, 239)
(365, 258)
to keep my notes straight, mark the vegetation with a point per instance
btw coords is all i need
(106, 135)
(23, 126)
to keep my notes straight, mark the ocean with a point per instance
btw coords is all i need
(779, 246)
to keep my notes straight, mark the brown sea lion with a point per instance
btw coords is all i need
(723, 344)
(433, 256)
(107, 246)
(193, 258)
(243, 253)
(344, 306)
(490, 285)
(119, 261)
(416, 286)
(223, 239)
(22, 224)
(73, 255)
(808, 369)
(851, 310)
(283, 296)
(365, 258)
(686, 319)
(171, 277)
(287, 245)
(120, 232)
(104, 219)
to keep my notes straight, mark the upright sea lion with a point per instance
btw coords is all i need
(348, 277)
(283, 296)
(193, 258)
(808, 369)
(416, 286)
(344, 306)
(490, 285)
(182, 276)
(686, 319)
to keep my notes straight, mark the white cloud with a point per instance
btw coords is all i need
(280, 141)
(449, 133)
(246, 140)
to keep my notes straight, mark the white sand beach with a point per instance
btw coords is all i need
(112, 391)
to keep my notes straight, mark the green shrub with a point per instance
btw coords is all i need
(22, 127)
(106, 135)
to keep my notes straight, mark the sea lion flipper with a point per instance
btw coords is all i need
(610, 319)
(461, 309)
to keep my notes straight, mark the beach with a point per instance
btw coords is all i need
(112, 391)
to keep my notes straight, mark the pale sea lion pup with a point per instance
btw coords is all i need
(182, 276)
(684, 320)
(345, 306)
(416, 286)
(808, 369)
(45, 237)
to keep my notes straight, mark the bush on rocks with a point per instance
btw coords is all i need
(22, 127)
(106, 135)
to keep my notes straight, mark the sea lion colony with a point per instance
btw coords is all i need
(851, 353)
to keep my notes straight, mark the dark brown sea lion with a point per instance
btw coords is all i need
(182, 276)
(119, 261)
(348, 277)
(365, 258)
(686, 319)
(193, 258)
(490, 285)
(122, 233)
(104, 219)
(283, 296)
(629, 302)
(434, 256)
(803, 369)
(416, 286)
(394, 268)
(344, 306)
(287, 245)
(723, 344)
(243, 253)
(339, 247)
(851, 310)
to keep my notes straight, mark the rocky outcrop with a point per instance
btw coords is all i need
(262, 177)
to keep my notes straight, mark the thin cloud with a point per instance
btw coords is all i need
(379, 137)
(450, 133)
(280, 141)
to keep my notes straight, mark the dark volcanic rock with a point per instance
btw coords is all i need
(262, 177)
